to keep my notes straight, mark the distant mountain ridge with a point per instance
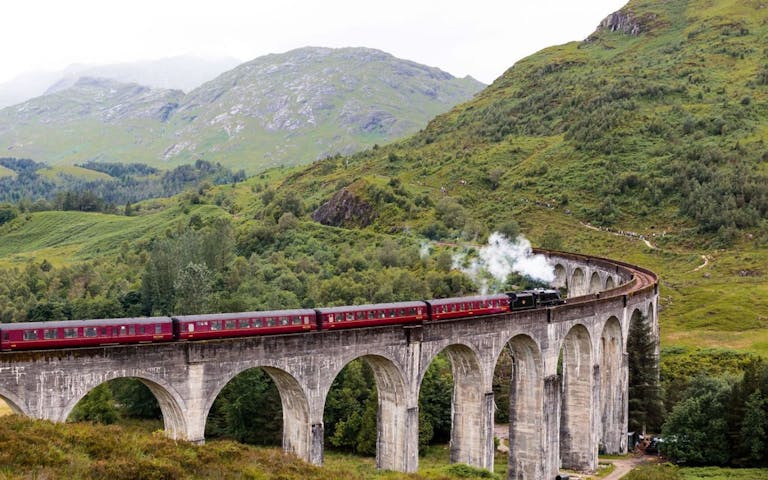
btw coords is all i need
(184, 72)
(280, 109)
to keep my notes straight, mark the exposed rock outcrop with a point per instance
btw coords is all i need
(345, 209)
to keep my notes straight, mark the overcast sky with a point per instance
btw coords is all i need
(481, 38)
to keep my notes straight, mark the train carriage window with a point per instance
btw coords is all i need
(5, 336)
(122, 331)
(103, 331)
(297, 320)
(190, 327)
(244, 323)
(229, 324)
(402, 312)
(70, 332)
(350, 316)
(392, 313)
(141, 329)
(30, 335)
(271, 322)
(360, 315)
(330, 318)
(256, 322)
(383, 314)
(49, 334)
(158, 328)
(215, 325)
(306, 320)
(284, 321)
(131, 329)
(90, 331)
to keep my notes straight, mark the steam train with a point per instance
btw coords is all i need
(81, 333)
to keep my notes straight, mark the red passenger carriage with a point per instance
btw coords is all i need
(80, 333)
(445, 308)
(219, 325)
(372, 315)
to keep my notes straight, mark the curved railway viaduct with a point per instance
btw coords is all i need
(559, 416)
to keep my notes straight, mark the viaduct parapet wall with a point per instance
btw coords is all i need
(558, 418)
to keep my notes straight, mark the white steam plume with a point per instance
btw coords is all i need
(500, 257)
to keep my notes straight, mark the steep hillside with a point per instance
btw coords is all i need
(95, 119)
(285, 109)
(656, 122)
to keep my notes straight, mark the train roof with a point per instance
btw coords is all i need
(236, 315)
(86, 323)
(475, 298)
(371, 306)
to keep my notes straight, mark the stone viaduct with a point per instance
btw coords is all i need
(568, 386)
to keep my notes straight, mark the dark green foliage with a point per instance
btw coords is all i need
(248, 410)
(350, 410)
(435, 399)
(98, 406)
(131, 183)
(7, 213)
(696, 430)
(463, 470)
(646, 408)
(134, 399)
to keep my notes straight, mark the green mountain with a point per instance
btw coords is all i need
(285, 109)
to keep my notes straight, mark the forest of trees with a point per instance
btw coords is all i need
(32, 191)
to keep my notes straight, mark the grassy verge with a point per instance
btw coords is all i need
(40, 449)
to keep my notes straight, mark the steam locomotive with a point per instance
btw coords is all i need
(117, 331)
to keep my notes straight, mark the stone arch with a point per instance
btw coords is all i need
(16, 405)
(595, 283)
(609, 282)
(170, 402)
(577, 448)
(526, 410)
(612, 395)
(471, 426)
(561, 276)
(577, 286)
(295, 405)
(392, 416)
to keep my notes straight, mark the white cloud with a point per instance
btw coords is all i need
(481, 38)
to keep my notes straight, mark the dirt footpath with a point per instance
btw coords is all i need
(625, 465)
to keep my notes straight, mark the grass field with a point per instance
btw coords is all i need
(6, 172)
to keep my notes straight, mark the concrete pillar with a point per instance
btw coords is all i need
(623, 406)
(577, 447)
(198, 403)
(397, 429)
(489, 449)
(316, 448)
(526, 436)
(551, 426)
(411, 440)
(611, 426)
(468, 408)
